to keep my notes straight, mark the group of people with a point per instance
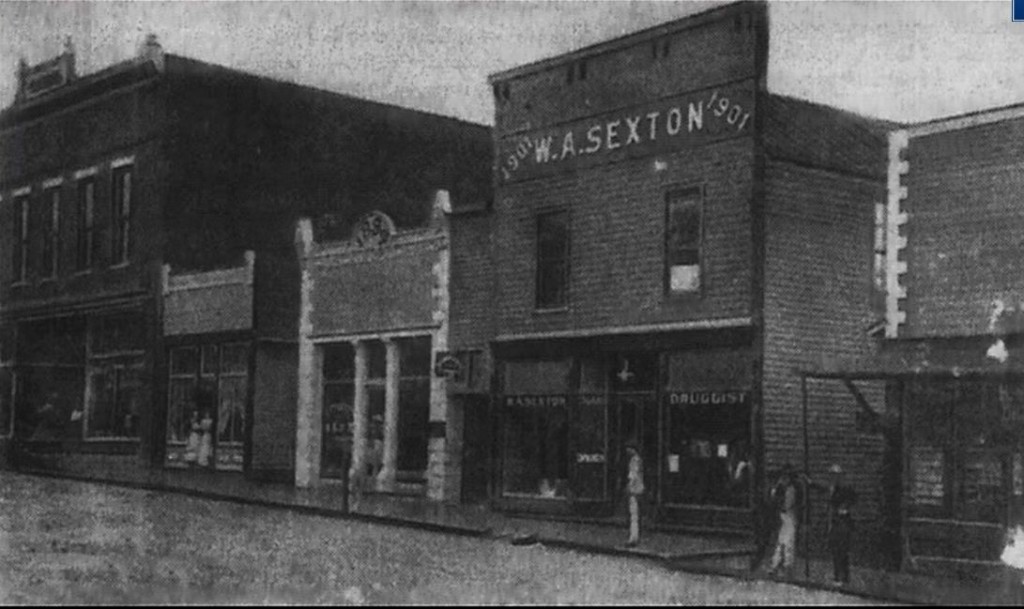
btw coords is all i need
(778, 518)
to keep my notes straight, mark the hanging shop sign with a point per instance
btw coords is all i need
(683, 122)
(447, 364)
(694, 398)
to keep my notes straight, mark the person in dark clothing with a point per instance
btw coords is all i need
(765, 525)
(840, 525)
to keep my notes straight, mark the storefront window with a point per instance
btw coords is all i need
(707, 410)
(207, 393)
(965, 449)
(536, 447)
(338, 396)
(413, 403)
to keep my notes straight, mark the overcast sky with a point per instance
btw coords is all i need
(909, 60)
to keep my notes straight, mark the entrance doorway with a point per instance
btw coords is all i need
(634, 418)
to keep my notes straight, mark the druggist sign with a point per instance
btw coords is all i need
(686, 121)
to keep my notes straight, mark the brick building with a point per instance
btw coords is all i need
(670, 243)
(149, 272)
(952, 353)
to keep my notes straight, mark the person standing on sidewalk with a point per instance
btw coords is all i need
(785, 496)
(840, 525)
(634, 489)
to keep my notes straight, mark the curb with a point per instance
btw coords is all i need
(669, 562)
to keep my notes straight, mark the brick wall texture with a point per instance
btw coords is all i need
(964, 228)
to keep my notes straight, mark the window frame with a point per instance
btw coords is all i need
(85, 208)
(685, 193)
(121, 209)
(50, 233)
(20, 245)
(541, 261)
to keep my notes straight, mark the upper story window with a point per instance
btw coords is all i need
(86, 208)
(20, 243)
(121, 214)
(552, 281)
(51, 232)
(683, 240)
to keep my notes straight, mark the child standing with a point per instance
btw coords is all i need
(192, 446)
(634, 488)
(205, 440)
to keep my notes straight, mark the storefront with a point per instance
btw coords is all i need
(81, 378)
(210, 353)
(565, 418)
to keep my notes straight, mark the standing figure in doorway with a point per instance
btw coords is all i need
(205, 440)
(634, 489)
(784, 497)
(840, 525)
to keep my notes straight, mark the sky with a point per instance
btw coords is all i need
(908, 60)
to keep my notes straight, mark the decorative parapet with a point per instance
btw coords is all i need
(211, 301)
(899, 142)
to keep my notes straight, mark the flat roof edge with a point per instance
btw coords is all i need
(677, 25)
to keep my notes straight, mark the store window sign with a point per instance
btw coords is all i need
(590, 457)
(520, 401)
(693, 398)
(690, 120)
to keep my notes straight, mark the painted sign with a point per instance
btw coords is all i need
(682, 122)
(693, 398)
(589, 457)
(535, 400)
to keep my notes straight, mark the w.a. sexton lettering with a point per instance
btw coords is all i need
(688, 121)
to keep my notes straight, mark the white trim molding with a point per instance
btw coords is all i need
(702, 324)
(24, 190)
(88, 172)
(123, 161)
(53, 182)
(895, 242)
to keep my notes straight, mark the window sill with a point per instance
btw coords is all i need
(121, 265)
(46, 280)
(684, 296)
(83, 272)
(20, 284)
(109, 439)
(549, 311)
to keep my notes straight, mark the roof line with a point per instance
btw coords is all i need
(683, 23)
(964, 121)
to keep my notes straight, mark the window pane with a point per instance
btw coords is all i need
(415, 356)
(234, 358)
(231, 414)
(338, 362)
(683, 241)
(376, 355)
(183, 360)
(413, 417)
(536, 455)
(336, 443)
(531, 377)
(927, 479)
(552, 259)
(179, 408)
(210, 359)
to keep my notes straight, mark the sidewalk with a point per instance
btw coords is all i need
(683, 552)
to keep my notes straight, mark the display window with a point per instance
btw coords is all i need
(207, 394)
